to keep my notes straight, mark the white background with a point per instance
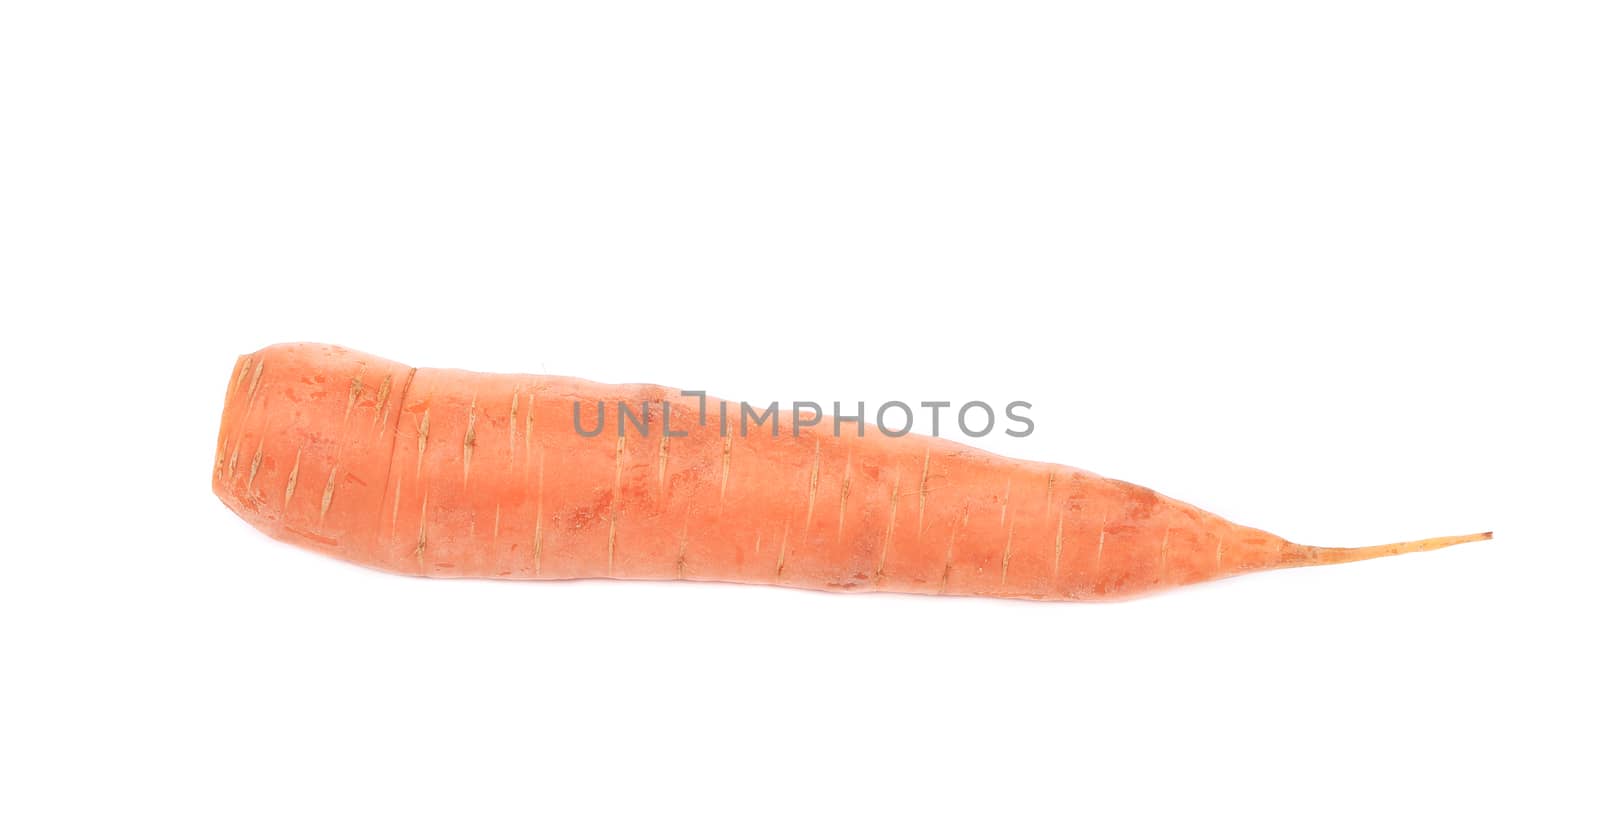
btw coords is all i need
(1325, 269)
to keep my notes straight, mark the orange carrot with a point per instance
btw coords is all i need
(449, 473)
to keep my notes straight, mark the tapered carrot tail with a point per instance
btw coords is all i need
(1298, 555)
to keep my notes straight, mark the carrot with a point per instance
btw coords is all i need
(448, 473)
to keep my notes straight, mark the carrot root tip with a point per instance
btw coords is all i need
(1318, 555)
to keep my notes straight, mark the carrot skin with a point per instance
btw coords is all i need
(448, 473)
